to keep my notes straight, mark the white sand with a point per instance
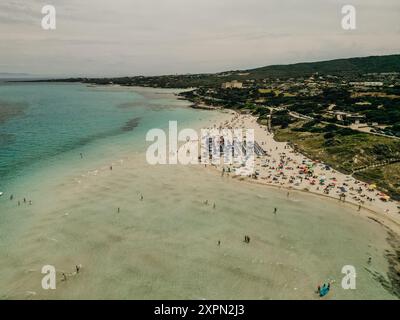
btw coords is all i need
(282, 168)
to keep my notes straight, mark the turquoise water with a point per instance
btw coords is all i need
(165, 246)
(49, 120)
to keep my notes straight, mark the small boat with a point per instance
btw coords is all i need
(1, 193)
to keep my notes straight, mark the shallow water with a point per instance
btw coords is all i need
(165, 246)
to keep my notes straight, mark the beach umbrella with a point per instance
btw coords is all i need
(385, 198)
(372, 186)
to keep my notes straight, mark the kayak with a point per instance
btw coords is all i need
(324, 291)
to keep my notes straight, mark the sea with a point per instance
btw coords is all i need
(78, 191)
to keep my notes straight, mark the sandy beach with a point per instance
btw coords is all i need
(284, 168)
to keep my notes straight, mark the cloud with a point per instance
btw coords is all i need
(99, 37)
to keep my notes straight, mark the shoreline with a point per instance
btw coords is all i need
(382, 217)
(175, 92)
(390, 225)
(86, 197)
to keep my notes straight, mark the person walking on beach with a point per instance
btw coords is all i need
(141, 197)
(275, 210)
(359, 207)
(118, 210)
(77, 267)
(110, 168)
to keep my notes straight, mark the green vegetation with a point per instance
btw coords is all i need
(387, 178)
(347, 150)
(348, 67)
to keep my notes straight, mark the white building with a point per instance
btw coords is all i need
(367, 84)
(233, 84)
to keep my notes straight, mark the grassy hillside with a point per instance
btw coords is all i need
(389, 63)
(350, 67)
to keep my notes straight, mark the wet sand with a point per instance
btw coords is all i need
(165, 245)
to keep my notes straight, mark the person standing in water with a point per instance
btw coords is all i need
(275, 210)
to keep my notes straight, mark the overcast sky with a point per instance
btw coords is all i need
(131, 37)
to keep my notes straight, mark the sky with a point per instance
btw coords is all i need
(154, 37)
